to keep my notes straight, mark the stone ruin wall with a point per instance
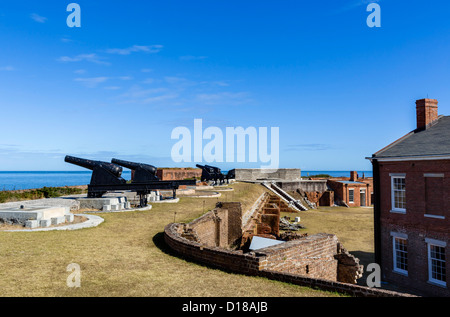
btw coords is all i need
(170, 174)
(316, 191)
(255, 174)
(310, 256)
(219, 227)
(315, 261)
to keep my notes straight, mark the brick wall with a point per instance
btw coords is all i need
(327, 285)
(312, 260)
(227, 260)
(212, 228)
(311, 256)
(341, 193)
(426, 112)
(248, 216)
(338, 190)
(319, 256)
(414, 224)
(327, 199)
(256, 264)
(169, 174)
(234, 221)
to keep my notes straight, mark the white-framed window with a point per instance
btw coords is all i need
(398, 193)
(351, 195)
(400, 254)
(436, 262)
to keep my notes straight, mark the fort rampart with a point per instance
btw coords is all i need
(317, 261)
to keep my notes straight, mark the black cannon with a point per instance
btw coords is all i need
(106, 177)
(102, 172)
(231, 174)
(142, 173)
(212, 173)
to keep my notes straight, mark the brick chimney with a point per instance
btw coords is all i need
(426, 111)
(353, 176)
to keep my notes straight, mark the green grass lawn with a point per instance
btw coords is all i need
(125, 256)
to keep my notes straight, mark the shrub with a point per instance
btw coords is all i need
(45, 192)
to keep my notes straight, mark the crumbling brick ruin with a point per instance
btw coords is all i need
(221, 238)
(169, 174)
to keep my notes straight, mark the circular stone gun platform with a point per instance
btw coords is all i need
(92, 221)
(105, 204)
(34, 217)
(111, 202)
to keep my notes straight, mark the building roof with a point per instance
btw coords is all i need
(351, 182)
(431, 142)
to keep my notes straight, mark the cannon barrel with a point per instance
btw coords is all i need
(216, 169)
(231, 174)
(91, 164)
(133, 166)
(209, 168)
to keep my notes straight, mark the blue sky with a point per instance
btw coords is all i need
(135, 70)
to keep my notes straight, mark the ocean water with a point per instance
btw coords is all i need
(337, 173)
(31, 180)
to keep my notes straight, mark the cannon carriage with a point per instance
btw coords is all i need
(107, 177)
(214, 174)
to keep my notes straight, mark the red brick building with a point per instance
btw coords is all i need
(353, 191)
(170, 174)
(412, 205)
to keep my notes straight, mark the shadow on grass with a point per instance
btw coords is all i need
(158, 240)
(365, 258)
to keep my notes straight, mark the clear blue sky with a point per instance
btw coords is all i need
(116, 87)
